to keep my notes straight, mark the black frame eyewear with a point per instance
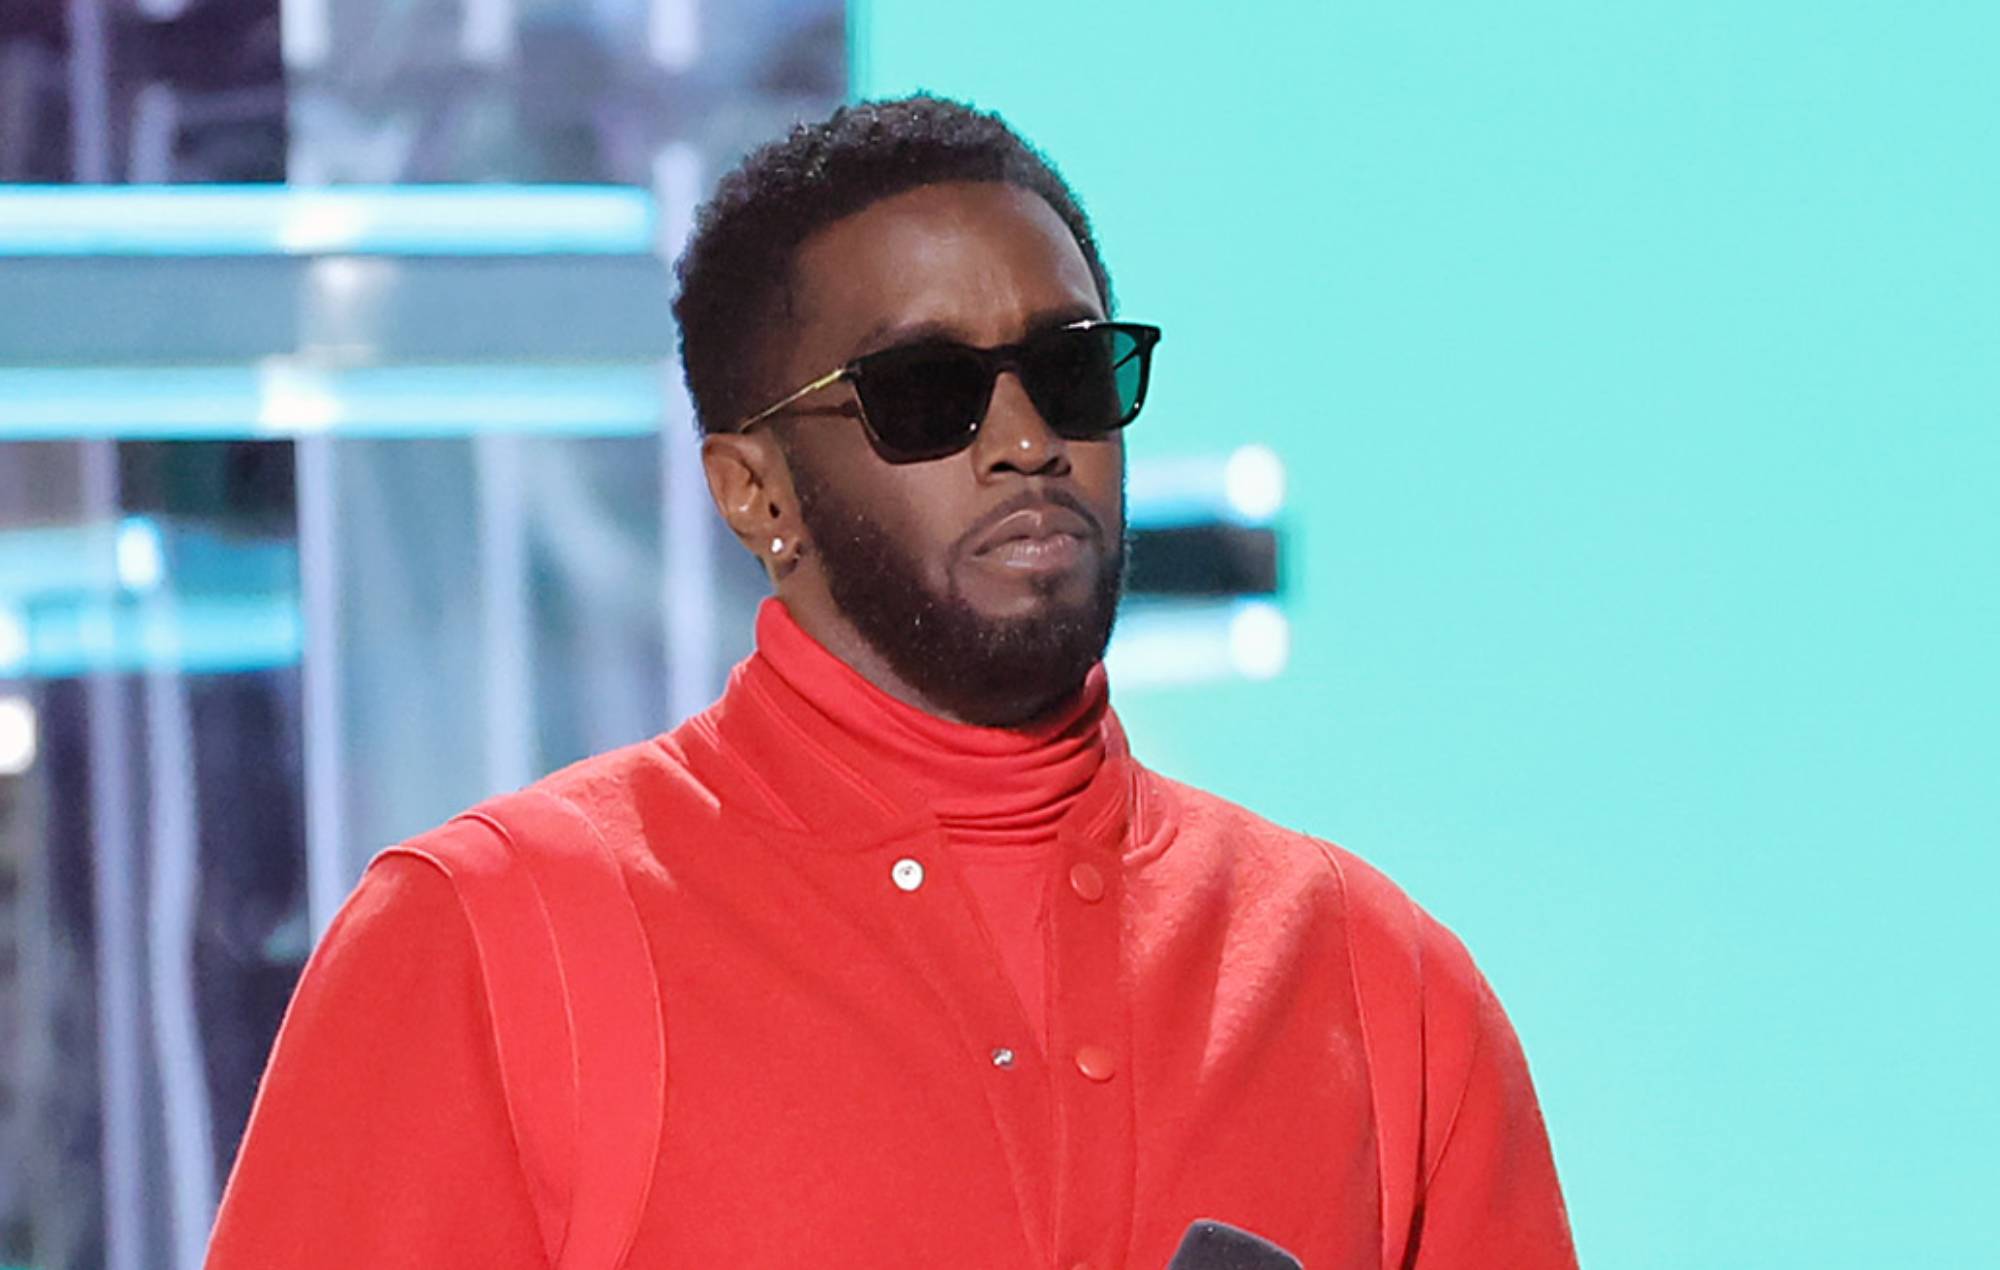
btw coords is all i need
(927, 400)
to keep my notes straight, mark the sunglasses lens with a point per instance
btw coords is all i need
(926, 401)
(1089, 382)
(923, 402)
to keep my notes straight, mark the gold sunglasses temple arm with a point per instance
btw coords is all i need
(824, 381)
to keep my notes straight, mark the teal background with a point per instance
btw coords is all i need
(1635, 368)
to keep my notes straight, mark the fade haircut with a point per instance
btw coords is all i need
(736, 275)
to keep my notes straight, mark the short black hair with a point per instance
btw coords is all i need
(735, 274)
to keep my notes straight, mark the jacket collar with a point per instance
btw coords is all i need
(790, 770)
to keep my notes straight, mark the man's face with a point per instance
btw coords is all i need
(987, 579)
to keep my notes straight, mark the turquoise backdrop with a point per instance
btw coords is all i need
(1637, 368)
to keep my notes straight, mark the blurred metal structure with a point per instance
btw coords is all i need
(324, 510)
(141, 90)
(548, 90)
(459, 421)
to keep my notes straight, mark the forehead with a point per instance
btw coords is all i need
(976, 261)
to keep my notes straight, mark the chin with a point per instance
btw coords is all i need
(1036, 598)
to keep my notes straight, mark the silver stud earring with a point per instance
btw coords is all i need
(777, 545)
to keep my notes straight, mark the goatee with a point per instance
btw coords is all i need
(996, 672)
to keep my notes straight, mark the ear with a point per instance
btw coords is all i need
(752, 488)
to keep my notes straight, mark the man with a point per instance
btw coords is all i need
(945, 976)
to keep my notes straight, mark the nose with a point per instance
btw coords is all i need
(1014, 438)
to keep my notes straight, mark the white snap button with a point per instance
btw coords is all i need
(907, 874)
(1003, 1057)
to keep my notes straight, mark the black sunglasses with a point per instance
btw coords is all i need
(924, 401)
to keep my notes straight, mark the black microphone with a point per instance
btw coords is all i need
(1214, 1245)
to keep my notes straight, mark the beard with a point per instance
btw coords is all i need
(991, 671)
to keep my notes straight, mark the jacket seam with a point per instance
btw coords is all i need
(492, 1024)
(1432, 1167)
(659, 1016)
(1367, 1043)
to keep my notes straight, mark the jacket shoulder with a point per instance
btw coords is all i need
(1383, 921)
(1426, 1014)
(623, 797)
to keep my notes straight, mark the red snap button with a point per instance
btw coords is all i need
(1097, 1063)
(1087, 882)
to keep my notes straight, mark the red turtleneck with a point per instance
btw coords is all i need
(998, 792)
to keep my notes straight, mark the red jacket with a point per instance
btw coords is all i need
(1245, 1024)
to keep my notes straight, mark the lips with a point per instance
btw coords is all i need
(1033, 529)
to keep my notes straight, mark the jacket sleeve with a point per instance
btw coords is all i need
(1489, 1195)
(380, 1134)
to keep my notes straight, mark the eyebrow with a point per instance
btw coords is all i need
(894, 334)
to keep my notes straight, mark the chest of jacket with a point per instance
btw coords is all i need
(849, 1073)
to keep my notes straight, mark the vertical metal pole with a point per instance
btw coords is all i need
(687, 521)
(116, 863)
(327, 871)
(156, 122)
(89, 93)
(174, 817)
(506, 613)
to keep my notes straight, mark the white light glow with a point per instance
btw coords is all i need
(673, 33)
(349, 278)
(341, 311)
(1166, 653)
(1175, 644)
(323, 225)
(293, 399)
(1260, 641)
(676, 191)
(18, 736)
(1254, 482)
(141, 560)
(487, 36)
(306, 34)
